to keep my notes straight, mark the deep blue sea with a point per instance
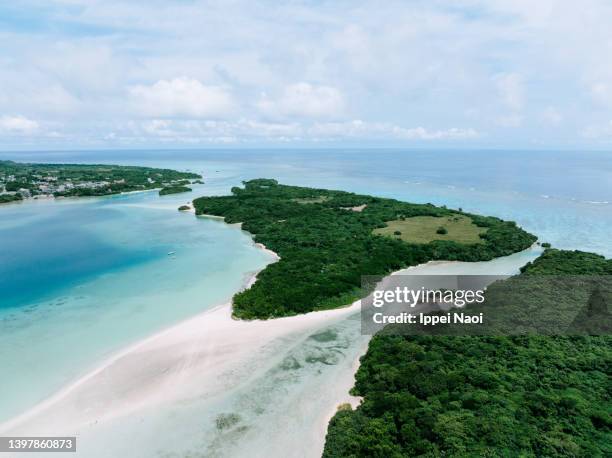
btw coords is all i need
(80, 278)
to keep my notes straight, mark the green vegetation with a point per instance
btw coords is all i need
(564, 262)
(60, 180)
(325, 248)
(227, 421)
(5, 198)
(425, 229)
(311, 200)
(173, 190)
(545, 245)
(183, 208)
(456, 396)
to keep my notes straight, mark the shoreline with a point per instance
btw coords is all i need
(225, 309)
(186, 361)
(221, 311)
(43, 417)
(53, 198)
(250, 279)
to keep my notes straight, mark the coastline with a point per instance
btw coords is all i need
(61, 198)
(221, 218)
(225, 309)
(171, 335)
(188, 361)
(220, 316)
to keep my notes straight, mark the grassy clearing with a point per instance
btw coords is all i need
(424, 229)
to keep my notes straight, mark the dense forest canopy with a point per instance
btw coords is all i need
(173, 190)
(326, 242)
(497, 396)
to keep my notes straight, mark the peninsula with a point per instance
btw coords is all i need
(327, 240)
(424, 395)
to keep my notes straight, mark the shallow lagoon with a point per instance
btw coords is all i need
(83, 278)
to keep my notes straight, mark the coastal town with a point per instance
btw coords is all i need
(20, 181)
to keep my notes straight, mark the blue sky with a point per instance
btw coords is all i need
(462, 73)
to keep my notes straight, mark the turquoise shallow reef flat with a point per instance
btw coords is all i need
(82, 278)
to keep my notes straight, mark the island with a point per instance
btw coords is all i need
(175, 189)
(504, 394)
(328, 239)
(24, 180)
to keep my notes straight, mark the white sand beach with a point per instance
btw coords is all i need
(181, 362)
(204, 358)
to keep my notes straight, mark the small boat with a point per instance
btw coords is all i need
(170, 253)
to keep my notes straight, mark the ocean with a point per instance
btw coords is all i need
(82, 278)
(565, 197)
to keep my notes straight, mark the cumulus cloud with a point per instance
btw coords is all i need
(410, 72)
(304, 100)
(18, 125)
(248, 130)
(181, 98)
(361, 129)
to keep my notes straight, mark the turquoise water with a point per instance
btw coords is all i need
(80, 278)
(83, 278)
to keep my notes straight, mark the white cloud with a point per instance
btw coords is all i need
(54, 100)
(601, 92)
(250, 130)
(420, 133)
(386, 131)
(159, 127)
(271, 129)
(409, 71)
(511, 90)
(552, 116)
(511, 120)
(18, 125)
(598, 132)
(304, 100)
(181, 98)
